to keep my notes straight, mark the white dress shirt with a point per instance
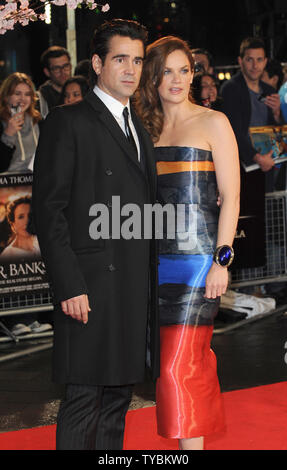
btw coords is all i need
(116, 108)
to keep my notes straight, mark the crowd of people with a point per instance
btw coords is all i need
(22, 108)
(106, 299)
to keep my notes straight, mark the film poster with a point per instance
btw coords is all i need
(22, 271)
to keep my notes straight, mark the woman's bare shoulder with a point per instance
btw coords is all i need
(213, 116)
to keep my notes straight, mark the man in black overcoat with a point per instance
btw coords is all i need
(104, 288)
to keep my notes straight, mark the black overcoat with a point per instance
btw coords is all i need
(83, 158)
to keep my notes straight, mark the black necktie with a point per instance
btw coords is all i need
(129, 133)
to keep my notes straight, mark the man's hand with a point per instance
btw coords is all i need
(273, 101)
(265, 161)
(77, 307)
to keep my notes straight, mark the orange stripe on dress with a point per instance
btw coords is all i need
(164, 168)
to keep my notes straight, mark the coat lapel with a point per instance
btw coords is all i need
(148, 151)
(109, 121)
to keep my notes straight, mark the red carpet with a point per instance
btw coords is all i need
(256, 419)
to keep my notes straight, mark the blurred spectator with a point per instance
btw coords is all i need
(283, 94)
(284, 70)
(283, 100)
(205, 91)
(249, 102)
(74, 90)
(273, 74)
(202, 60)
(56, 63)
(19, 122)
(83, 68)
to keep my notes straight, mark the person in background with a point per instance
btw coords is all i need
(273, 74)
(205, 92)
(56, 64)
(202, 60)
(249, 102)
(19, 122)
(74, 90)
(84, 68)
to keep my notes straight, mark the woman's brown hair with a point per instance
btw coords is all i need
(7, 89)
(147, 100)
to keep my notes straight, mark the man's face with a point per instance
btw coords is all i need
(253, 64)
(59, 70)
(120, 73)
(203, 60)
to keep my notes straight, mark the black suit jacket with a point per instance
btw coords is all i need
(83, 158)
(237, 106)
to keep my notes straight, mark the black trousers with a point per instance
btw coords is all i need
(92, 417)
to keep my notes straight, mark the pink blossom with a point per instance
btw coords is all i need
(59, 3)
(72, 4)
(24, 3)
(18, 11)
(24, 21)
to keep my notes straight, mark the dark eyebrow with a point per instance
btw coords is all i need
(125, 55)
(183, 67)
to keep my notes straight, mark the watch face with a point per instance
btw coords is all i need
(224, 256)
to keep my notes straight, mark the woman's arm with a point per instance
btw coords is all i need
(226, 161)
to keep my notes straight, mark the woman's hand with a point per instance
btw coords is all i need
(216, 281)
(14, 124)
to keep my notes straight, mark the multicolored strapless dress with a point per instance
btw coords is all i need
(189, 401)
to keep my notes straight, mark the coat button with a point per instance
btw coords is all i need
(111, 268)
(109, 172)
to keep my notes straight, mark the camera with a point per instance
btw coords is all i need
(15, 109)
(198, 67)
(262, 97)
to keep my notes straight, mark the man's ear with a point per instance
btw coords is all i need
(97, 64)
(46, 72)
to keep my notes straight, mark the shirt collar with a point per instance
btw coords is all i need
(114, 106)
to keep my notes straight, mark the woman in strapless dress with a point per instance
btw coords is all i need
(197, 160)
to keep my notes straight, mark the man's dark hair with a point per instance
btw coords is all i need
(251, 43)
(273, 68)
(117, 27)
(51, 53)
(202, 51)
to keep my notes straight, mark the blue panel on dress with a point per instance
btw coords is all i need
(184, 269)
